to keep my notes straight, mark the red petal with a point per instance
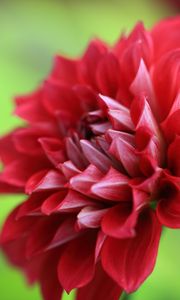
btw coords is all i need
(108, 71)
(89, 62)
(170, 125)
(127, 155)
(113, 186)
(102, 287)
(52, 203)
(32, 206)
(168, 209)
(30, 108)
(129, 262)
(166, 77)
(25, 168)
(75, 154)
(74, 202)
(95, 157)
(76, 266)
(121, 120)
(168, 212)
(49, 283)
(26, 141)
(45, 180)
(83, 182)
(90, 217)
(14, 229)
(163, 29)
(173, 156)
(120, 221)
(38, 241)
(53, 149)
(65, 70)
(142, 85)
(68, 169)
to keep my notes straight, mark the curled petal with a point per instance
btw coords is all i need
(90, 217)
(45, 180)
(95, 157)
(127, 155)
(53, 149)
(113, 186)
(83, 182)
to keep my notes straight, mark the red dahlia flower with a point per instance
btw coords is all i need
(175, 3)
(99, 161)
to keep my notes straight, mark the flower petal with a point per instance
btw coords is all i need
(113, 186)
(130, 261)
(74, 270)
(101, 287)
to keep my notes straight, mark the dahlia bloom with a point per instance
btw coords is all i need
(175, 3)
(98, 158)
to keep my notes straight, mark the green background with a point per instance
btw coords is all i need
(31, 32)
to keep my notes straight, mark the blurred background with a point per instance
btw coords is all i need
(31, 32)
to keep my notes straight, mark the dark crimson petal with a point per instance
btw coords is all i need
(8, 152)
(65, 233)
(173, 156)
(87, 96)
(32, 206)
(130, 261)
(168, 212)
(102, 287)
(76, 266)
(53, 149)
(15, 251)
(38, 241)
(50, 286)
(120, 221)
(14, 229)
(75, 154)
(6, 188)
(168, 209)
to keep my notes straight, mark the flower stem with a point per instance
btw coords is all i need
(126, 296)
